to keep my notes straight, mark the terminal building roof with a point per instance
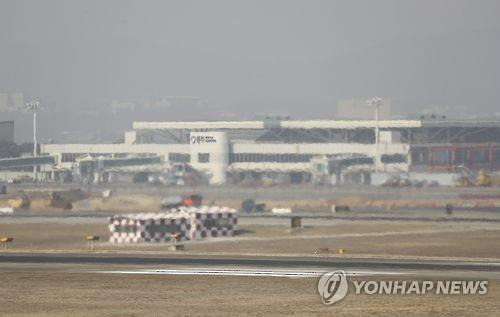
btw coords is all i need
(312, 124)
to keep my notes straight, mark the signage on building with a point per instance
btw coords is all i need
(199, 139)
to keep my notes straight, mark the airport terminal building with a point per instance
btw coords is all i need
(222, 148)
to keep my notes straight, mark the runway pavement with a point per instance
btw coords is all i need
(326, 263)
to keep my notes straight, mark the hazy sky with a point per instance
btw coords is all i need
(295, 57)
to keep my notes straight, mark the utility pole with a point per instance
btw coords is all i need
(34, 106)
(375, 102)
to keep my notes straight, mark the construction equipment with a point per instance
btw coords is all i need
(21, 202)
(194, 200)
(65, 199)
(58, 200)
(483, 179)
(398, 180)
(91, 242)
(249, 205)
(4, 241)
(171, 202)
(468, 178)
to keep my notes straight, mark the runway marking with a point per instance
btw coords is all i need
(247, 272)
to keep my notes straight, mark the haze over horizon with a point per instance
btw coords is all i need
(244, 58)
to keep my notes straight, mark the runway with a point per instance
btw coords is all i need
(102, 282)
(269, 262)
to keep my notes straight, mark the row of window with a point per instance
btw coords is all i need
(179, 157)
(259, 157)
(458, 156)
(393, 158)
(186, 158)
(244, 157)
(299, 158)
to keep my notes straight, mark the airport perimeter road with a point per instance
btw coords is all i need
(327, 263)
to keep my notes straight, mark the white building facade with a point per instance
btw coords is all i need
(223, 147)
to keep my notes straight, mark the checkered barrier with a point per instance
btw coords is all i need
(212, 222)
(189, 223)
(148, 227)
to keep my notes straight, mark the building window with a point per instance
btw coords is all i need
(69, 157)
(441, 156)
(203, 157)
(419, 156)
(461, 156)
(496, 154)
(393, 158)
(179, 157)
(480, 155)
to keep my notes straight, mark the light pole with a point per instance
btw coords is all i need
(375, 102)
(34, 106)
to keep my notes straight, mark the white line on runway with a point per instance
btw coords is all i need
(247, 272)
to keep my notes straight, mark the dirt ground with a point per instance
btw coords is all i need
(375, 238)
(78, 292)
(151, 201)
(50, 293)
(476, 244)
(61, 292)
